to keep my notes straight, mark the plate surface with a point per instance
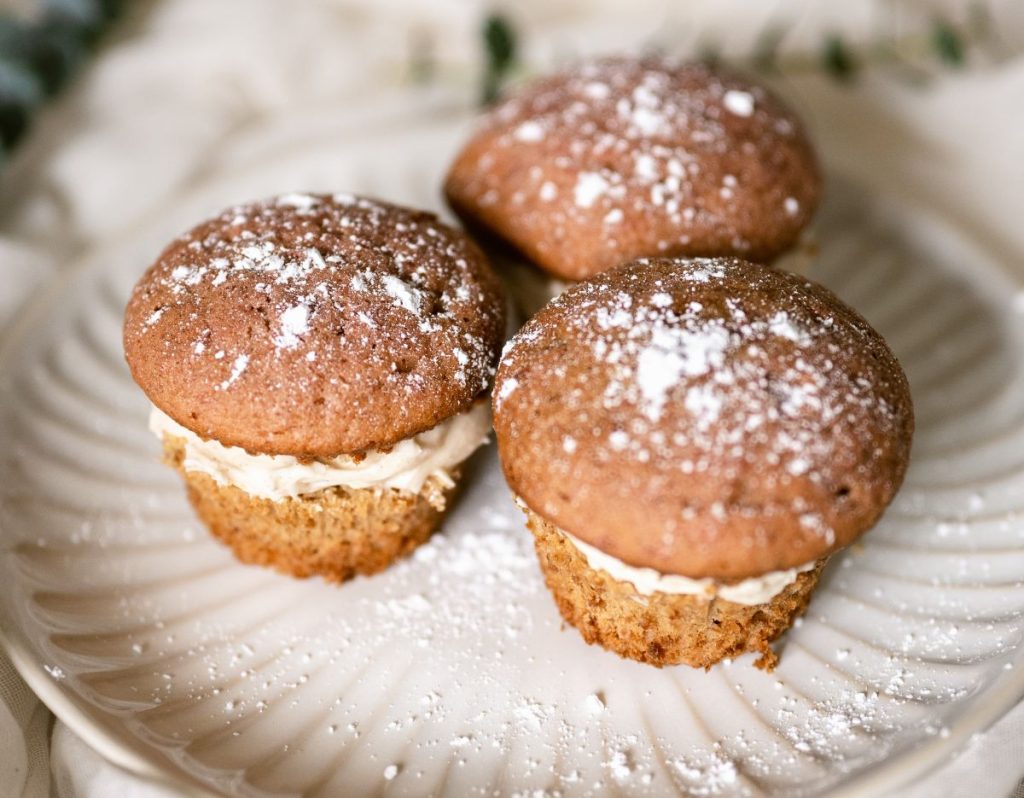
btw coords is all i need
(451, 673)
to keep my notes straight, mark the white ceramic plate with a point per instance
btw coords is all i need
(452, 673)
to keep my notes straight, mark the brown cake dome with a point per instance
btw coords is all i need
(704, 434)
(315, 364)
(623, 158)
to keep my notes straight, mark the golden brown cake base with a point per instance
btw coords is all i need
(335, 533)
(662, 629)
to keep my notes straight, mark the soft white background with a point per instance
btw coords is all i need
(181, 79)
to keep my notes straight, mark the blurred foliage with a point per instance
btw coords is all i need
(500, 50)
(915, 57)
(948, 43)
(837, 59)
(39, 54)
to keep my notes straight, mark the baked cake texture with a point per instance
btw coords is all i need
(335, 532)
(621, 158)
(708, 420)
(314, 362)
(663, 628)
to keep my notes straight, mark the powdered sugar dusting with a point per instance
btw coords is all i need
(782, 325)
(236, 371)
(301, 202)
(738, 102)
(294, 323)
(348, 291)
(507, 387)
(589, 187)
(404, 294)
(673, 353)
(529, 131)
(706, 369)
(650, 141)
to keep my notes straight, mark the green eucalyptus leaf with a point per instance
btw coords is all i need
(948, 43)
(38, 55)
(500, 41)
(837, 59)
(500, 47)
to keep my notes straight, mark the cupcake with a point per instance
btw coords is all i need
(315, 365)
(690, 441)
(624, 158)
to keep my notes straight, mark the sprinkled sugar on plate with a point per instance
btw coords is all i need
(451, 673)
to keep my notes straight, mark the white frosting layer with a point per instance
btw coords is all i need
(407, 465)
(646, 581)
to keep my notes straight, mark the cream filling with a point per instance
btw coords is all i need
(406, 466)
(647, 581)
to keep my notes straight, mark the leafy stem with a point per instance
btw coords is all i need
(500, 45)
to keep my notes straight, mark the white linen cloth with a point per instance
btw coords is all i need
(182, 78)
(24, 729)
